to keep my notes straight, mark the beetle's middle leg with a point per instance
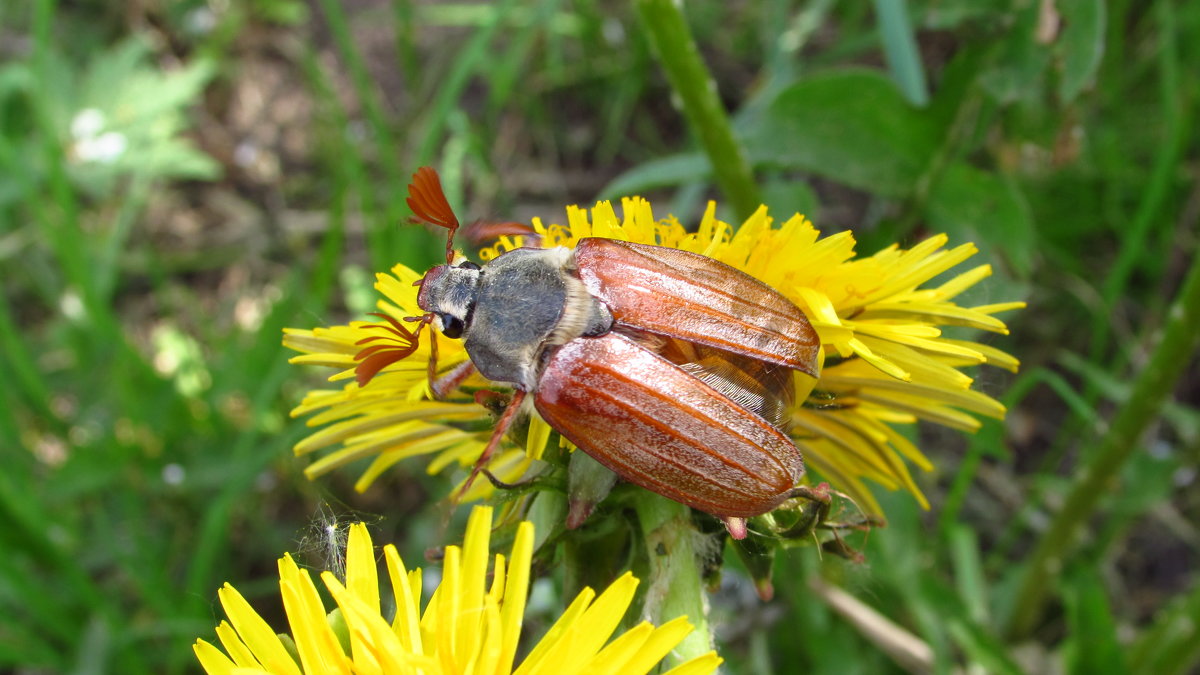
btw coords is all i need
(442, 385)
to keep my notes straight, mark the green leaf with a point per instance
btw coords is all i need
(547, 512)
(1081, 45)
(786, 197)
(970, 204)
(1022, 61)
(853, 126)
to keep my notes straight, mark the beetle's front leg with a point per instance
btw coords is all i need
(441, 386)
(502, 425)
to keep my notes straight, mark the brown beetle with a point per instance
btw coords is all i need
(670, 368)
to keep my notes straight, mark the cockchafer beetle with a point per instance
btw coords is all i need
(668, 367)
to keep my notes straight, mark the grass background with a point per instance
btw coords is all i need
(180, 180)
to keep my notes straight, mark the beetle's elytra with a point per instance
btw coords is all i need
(670, 368)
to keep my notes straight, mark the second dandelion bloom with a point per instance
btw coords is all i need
(466, 626)
(879, 320)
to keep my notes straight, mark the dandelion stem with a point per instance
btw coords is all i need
(689, 77)
(674, 586)
(1180, 338)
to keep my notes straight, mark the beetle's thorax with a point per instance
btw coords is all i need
(514, 309)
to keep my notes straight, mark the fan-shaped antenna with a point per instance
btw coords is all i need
(428, 204)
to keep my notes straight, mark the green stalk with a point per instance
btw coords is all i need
(1154, 383)
(673, 586)
(689, 77)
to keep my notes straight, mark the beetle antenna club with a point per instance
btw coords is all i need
(384, 350)
(429, 204)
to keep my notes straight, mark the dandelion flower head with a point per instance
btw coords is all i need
(465, 627)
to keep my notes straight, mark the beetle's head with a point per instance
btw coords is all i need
(448, 291)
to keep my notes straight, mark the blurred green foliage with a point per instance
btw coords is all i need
(180, 181)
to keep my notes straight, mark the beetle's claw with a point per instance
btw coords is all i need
(736, 526)
(820, 493)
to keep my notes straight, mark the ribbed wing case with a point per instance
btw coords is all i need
(659, 427)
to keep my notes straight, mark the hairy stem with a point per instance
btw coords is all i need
(674, 586)
(1154, 383)
(697, 91)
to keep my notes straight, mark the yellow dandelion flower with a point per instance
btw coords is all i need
(880, 320)
(465, 627)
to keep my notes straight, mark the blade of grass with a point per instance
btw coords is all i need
(1169, 646)
(34, 607)
(1184, 418)
(212, 531)
(107, 266)
(385, 238)
(1176, 123)
(469, 60)
(22, 369)
(348, 166)
(968, 573)
(781, 58)
(900, 50)
(982, 648)
(991, 436)
(58, 212)
(406, 41)
(511, 67)
(622, 103)
(676, 49)
(347, 174)
(10, 429)
(364, 88)
(28, 530)
(1092, 647)
(25, 646)
(97, 334)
